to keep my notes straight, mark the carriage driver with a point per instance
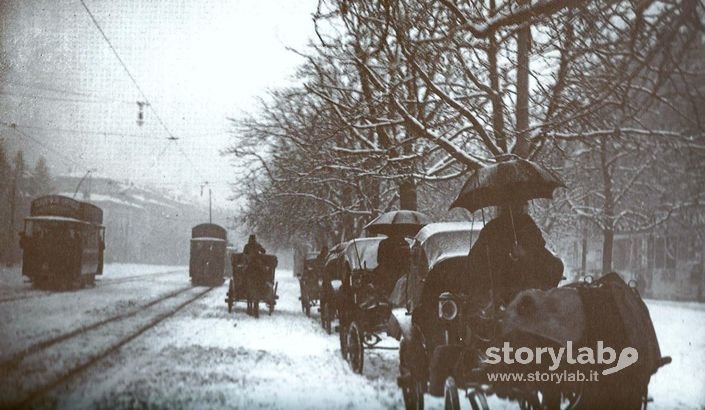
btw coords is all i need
(393, 259)
(509, 256)
(252, 247)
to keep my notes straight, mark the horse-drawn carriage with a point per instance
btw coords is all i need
(331, 284)
(310, 280)
(438, 256)
(467, 307)
(363, 306)
(253, 282)
(444, 341)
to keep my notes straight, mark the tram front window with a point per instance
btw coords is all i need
(51, 233)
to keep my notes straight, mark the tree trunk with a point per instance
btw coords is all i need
(608, 223)
(583, 255)
(407, 195)
(607, 245)
(11, 257)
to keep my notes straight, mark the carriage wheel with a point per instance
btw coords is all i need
(326, 317)
(644, 399)
(231, 296)
(478, 400)
(573, 398)
(355, 349)
(305, 304)
(452, 399)
(343, 334)
(413, 395)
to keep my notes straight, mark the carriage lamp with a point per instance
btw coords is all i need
(447, 307)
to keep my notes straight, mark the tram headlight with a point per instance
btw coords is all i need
(447, 307)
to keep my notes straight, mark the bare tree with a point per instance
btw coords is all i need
(401, 94)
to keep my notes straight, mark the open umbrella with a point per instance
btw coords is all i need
(403, 222)
(514, 180)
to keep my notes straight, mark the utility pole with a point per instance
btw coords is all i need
(522, 103)
(210, 193)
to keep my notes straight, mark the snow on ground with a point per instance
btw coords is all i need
(680, 328)
(205, 357)
(44, 314)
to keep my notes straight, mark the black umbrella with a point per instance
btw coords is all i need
(514, 180)
(403, 222)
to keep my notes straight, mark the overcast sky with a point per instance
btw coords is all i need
(198, 62)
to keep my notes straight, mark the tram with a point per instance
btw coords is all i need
(63, 242)
(208, 248)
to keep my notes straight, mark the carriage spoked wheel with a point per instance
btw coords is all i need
(326, 317)
(355, 348)
(478, 400)
(303, 304)
(343, 335)
(231, 296)
(452, 399)
(413, 395)
(573, 399)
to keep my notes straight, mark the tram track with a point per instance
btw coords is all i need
(36, 393)
(132, 278)
(23, 297)
(14, 360)
(36, 293)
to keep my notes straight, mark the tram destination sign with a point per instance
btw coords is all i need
(56, 205)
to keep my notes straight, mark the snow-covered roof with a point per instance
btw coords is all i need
(152, 201)
(209, 239)
(49, 218)
(436, 227)
(443, 240)
(362, 252)
(107, 198)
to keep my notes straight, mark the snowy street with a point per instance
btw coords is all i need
(199, 356)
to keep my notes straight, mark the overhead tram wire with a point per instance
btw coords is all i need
(191, 162)
(81, 131)
(158, 157)
(127, 70)
(142, 93)
(61, 99)
(66, 159)
(56, 90)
